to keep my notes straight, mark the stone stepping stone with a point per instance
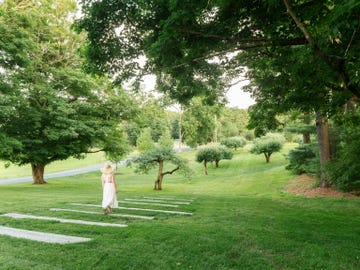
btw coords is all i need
(169, 199)
(41, 236)
(148, 203)
(75, 221)
(155, 201)
(98, 213)
(138, 209)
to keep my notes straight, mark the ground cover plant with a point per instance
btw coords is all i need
(242, 219)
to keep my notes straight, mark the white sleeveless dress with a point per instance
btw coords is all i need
(109, 194)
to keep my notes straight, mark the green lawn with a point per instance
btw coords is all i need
(19, 171)
(242, 219)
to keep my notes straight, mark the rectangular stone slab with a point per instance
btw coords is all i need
(75, 221)
(41, 236)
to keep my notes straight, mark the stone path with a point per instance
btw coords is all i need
(154, 200)
(169, 199)
(148, 203)
(99, 213)
(41, 236)
(137, 209)
(66, 239)
(74, 221)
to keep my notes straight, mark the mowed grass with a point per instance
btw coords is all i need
(14, 171)
(242, 219)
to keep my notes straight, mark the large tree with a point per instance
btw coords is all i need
(52, 110)
(199, 123)
(195, 47)
(179, 38)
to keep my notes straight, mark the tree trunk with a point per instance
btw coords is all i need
(216, 129)
(322, 130)
(306, 135)
(180, 131)
(267, 157)
(38, 173)
(158, 181)
(306, 138)
(217, 163)
(205, 168)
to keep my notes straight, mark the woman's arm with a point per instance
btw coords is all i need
(115, 185)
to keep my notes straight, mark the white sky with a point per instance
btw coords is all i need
(235, 95)
(238, 98)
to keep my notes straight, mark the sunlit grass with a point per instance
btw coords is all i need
(19, 171)
(242, 219)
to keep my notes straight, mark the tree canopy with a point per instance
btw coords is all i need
(158, 157)
(267, 145)
(52, 109)
(191, 45)
(213, 154)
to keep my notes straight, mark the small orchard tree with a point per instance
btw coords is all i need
(233, 142)
(157, 157)
(212, 154)
(266, 145)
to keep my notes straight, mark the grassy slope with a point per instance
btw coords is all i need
(20, 171)
(242, 220)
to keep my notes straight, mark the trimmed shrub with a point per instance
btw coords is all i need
(233, 142)
(267, 145)
(213, 154)
(304, 159)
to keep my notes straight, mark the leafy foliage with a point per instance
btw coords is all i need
(233, 142)
(157, 157)
(145, 142)
(52, 109)
(267, 145)
(165, 140)
(199, 123)
(213, 154)
(304, 159)
(232, 122)
(344, 170)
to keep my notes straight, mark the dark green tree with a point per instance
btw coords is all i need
(301, 55)
(232, 122)
(344, 170)
(52, 110)
(145, 142)
(198, 123)
(304, 159)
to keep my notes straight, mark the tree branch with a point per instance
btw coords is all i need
(232, 38)
(352, 38)
(170, 172)
(297, 21)
(94, 151)
(290, 42)
(337, 66)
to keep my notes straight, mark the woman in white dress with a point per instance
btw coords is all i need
(109, 188)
